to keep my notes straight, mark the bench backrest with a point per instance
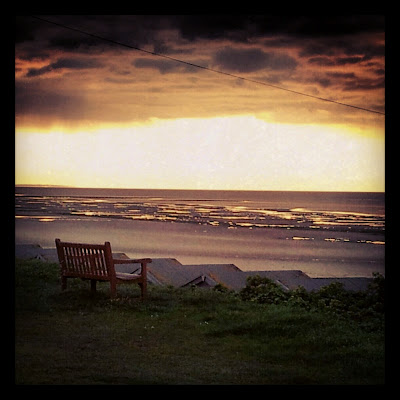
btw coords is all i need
(91, 261)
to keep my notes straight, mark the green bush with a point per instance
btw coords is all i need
(263, 290)
(366, 307)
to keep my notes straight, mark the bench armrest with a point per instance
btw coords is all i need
(130, 261)
(142, 261)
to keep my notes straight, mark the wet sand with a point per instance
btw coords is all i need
(317, 253)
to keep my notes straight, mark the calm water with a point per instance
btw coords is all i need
(233, 209)
(313, 231)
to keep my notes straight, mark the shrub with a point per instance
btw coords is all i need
(365, 307)
(263, 290)
(219, 287)
(301, 298)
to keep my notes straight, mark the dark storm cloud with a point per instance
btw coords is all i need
(348, 81)
(351, 60)
(64, 63)
(291, 50)
(322, 61)
(334, 25)
(77, 42)
(342, 75)
(319, 38)
(33, 99)
(333, 46)
(75, 63)
(364, 84)
(242, 27)
(329, 62)
(34, 54)
(164, 66)
(250, 60)
(38, 71)
(135, 30)
(142, 29)
(193, 27)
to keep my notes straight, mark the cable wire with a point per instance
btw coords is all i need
(205, 68)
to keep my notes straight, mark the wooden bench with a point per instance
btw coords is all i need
(96, 263)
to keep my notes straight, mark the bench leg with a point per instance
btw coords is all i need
(93, 285)
(143, 287)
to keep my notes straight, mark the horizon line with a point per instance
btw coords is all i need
(197, 189)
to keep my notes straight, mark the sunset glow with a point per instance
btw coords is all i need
(89, 114)
(219, 153)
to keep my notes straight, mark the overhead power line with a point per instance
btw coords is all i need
(205, 68)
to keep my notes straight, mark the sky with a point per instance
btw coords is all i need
(95, 113)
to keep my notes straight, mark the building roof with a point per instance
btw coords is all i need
(169, 271)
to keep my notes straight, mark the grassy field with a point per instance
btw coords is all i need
(180, 336)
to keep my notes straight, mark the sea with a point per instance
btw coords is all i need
(324, 234)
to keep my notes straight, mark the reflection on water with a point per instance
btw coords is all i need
(238, 213)
(230, 215)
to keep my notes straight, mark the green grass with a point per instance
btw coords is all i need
(179, 336)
